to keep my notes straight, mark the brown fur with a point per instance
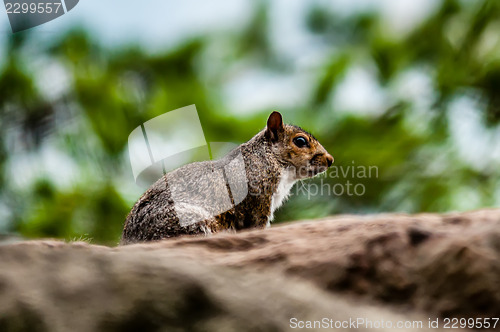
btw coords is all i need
(196, 192)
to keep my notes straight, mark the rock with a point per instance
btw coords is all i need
(52, 286)
(391, 267)
(447, 265)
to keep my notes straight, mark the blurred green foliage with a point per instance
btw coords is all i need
(111, 91)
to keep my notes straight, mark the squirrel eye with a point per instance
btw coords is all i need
(300, 142)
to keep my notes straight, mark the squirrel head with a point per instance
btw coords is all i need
(297, 148)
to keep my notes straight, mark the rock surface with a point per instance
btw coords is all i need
(386, 267)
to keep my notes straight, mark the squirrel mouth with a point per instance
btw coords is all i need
(316, 166)
(315, 170)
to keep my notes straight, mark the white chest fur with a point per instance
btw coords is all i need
(285, 184)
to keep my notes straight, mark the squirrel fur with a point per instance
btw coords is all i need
(241, 190)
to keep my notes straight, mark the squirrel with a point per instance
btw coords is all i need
(242, 190)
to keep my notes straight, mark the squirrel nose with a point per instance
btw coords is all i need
(329, 159)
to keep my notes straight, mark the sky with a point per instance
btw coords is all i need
(163, 23)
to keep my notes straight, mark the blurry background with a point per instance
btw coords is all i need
(411, 87)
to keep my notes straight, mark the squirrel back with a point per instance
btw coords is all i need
(241, 190)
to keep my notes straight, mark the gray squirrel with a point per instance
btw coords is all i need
(242, 190)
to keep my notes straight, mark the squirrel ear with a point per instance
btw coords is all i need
(274, 125)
